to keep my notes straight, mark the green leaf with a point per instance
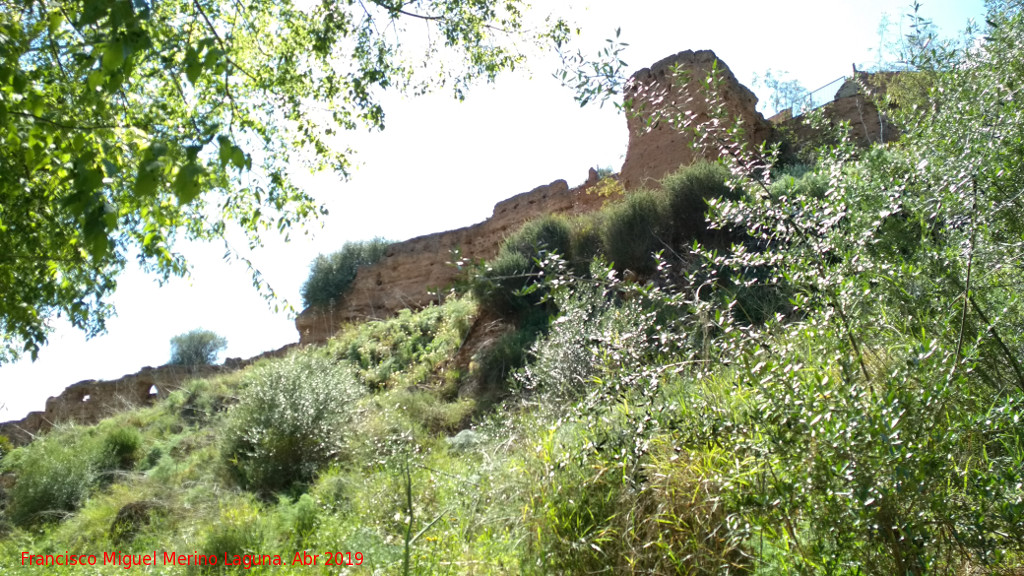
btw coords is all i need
(36, 105)
(212, 57)
(95, 79)
(19, 82)
(239, 159)
(224, 152)
(113, 56)
(56, 19)
(146, 183)
(186, 185)
(193, 66)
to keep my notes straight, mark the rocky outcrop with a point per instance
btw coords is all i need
(666, 101)
(89, 401)
(412, 273)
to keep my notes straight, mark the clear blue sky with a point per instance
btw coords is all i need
(442, 164)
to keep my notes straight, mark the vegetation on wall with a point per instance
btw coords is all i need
(331, 275)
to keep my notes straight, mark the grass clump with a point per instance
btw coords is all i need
(549, 233)
(238, 531)
(289, 422)
(331, 275)
(585, 240)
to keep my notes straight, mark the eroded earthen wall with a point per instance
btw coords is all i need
(90, 401)
(855, 104)
(667, 101)
(412, 272)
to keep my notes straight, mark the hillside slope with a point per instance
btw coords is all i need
(766, 365)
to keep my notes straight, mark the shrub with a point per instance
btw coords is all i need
(6, 446)
(240, 531)
(330, 276)
(120, 449)
(801, 181)
(688, 191)
(515, 267)
(131, 518)
(196, 348)
(288, 422)
(634, 229)
(53, 479)
(585, 240)
(508, 353)
(496, 288)
(565, 360)
(299, 519)
(435, 415)
(408, 347)
(546, 234)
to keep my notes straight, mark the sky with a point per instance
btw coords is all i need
(442, 164)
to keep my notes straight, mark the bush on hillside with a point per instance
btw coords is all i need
(196, 348)
(546, 234)
(289, 422)
(6, 446)
(331, 275)
(509, 352)
(497, 287)
(515, 267)
(565, 362)
(585, 241)
(408, 346)
(689, 189)
(120, 449)
(239, 531)
(800, 181)
(52, 481)
(634, 229)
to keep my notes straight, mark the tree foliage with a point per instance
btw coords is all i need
(129, 124)
(196, 348)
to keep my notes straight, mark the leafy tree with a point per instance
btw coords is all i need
(196, 348)
(784, 93)
(128, 124)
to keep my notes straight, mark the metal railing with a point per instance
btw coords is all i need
(818, 97)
